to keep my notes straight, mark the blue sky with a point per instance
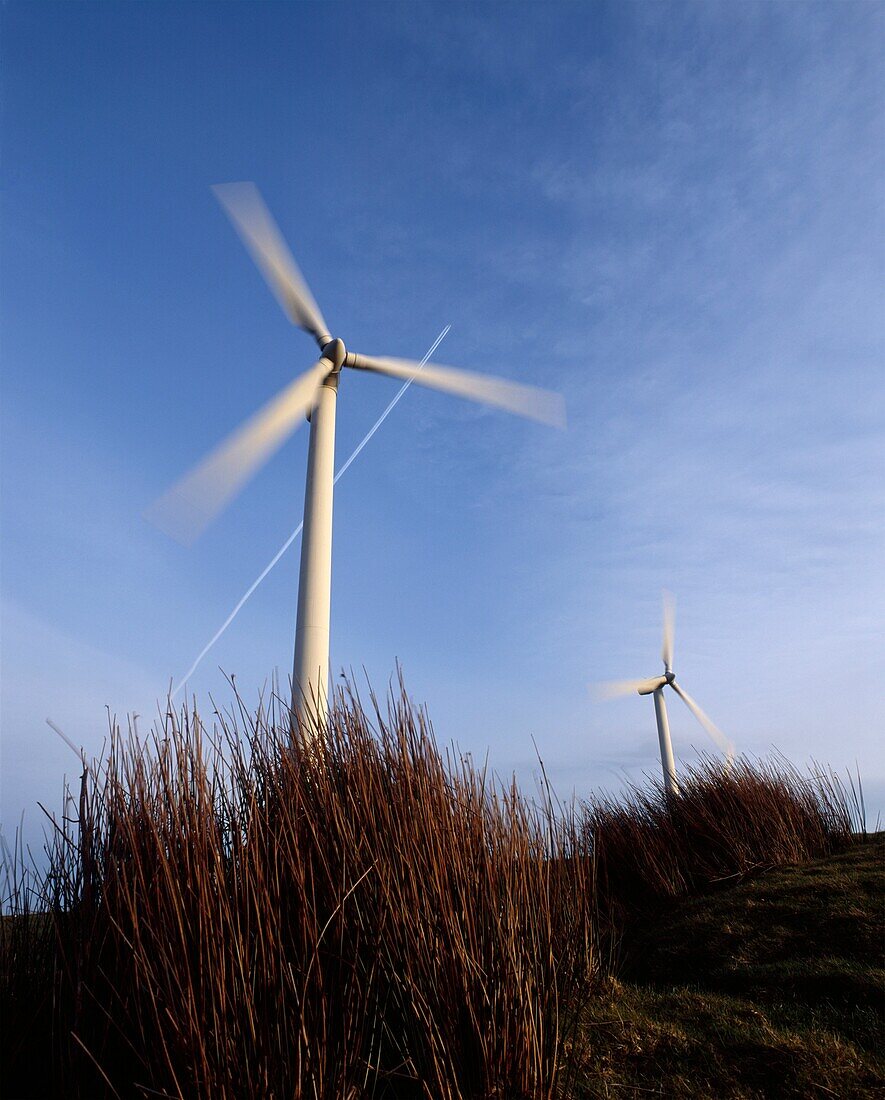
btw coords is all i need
(672, 213)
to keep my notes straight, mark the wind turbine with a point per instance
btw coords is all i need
(186, 509)
(655, 686)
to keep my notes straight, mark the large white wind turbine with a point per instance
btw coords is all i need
(655, 686)
(190, 505)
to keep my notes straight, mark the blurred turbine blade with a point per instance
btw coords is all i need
(669, 627)
(258, 231)
(614, 689)
(716, 734)
(186, 509)
(514, 397)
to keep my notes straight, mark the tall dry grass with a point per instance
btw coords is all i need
(237, 916)
(726, 822)
(229, 914)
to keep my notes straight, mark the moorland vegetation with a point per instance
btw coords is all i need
(226, 912)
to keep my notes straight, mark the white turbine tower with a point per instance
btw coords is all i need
(655, 686)
(193, 502)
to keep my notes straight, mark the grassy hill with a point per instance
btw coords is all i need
(770, 988)
(229, 913)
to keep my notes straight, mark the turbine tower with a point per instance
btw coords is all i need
(186, 509)
(655, 686)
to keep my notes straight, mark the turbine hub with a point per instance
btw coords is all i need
(669, 676)
(336, 353)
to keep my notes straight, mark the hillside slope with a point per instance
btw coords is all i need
(770, 988)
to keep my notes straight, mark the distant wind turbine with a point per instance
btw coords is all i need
(655, 686)
(186, 509)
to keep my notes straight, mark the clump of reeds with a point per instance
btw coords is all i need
(727, 821)
(360, 914)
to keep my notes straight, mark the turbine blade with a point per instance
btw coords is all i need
(669, 629)
(614, 689)
(185, 510)
(514, 397)
(259, 233)
(716, 734)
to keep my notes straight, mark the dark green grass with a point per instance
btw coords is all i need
(770, 988)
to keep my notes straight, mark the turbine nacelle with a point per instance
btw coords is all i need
(336, 353)
(648, 687)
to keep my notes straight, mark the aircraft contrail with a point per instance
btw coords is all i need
(273, 561)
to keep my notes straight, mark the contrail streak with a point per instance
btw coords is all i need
(273, 561)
